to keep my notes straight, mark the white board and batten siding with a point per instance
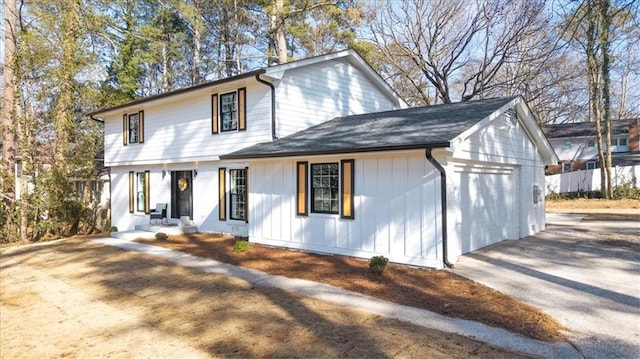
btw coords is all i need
(396, 201)
(491, 176)
(313, 94)
(178, 129)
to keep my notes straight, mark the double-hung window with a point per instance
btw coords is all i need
(330, 186)
(324, 188)
(141, 184)
(237, 186)
(238, 194)
(133, 128)
(228, 111)
(139, 192)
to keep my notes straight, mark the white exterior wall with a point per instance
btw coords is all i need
(577, 148)
(501, 158)
(310, 95)
(397, 210)
(177, 133)
(205, 196)
(178, 129)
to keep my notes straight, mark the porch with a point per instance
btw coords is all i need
(150, 230)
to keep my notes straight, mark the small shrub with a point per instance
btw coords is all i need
(626, 190)
(377, 264)
(113, 229)
(241, 246)
(161, 236)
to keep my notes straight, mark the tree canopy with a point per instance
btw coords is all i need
(65, 58)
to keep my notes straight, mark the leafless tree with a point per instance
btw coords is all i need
(458, 47)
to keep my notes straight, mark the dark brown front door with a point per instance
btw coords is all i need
(181, 194)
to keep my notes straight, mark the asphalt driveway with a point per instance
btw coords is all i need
(586, 274)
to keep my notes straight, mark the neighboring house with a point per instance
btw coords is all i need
(258, 155)
(575, 144)
(166, 148)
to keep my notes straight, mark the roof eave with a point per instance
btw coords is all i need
(335, 152)
(176, 92)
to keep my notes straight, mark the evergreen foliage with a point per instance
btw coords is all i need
(66, 58)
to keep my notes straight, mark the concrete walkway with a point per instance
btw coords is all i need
(586, 274)
(495, 336)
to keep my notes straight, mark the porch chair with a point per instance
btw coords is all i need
(160, 212)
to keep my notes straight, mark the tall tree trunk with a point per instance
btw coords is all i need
(594, 88)
(64, 119)
(605, 21)
(9, 113)
(277, 33)
(7, 186)
(196, 76)
(280, 32)
(165, 68)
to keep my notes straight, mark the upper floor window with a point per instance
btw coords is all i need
(591, 143)
(592, 165)
(617, 144)
(133, 128)
(228, 111)
(566, 167)
(567, 144)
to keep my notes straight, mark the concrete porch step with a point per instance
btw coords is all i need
(167, 228)
(149, 231)
(133, 234)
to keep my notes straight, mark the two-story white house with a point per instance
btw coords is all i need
(575, 144)
(166, 148)
(322, 155)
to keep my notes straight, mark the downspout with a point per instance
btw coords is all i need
(443, 205)
(273, 106)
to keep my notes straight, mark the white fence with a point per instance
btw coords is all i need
(589, 180)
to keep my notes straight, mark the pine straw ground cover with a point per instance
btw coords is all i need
(435, 290)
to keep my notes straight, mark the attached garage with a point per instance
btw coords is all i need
(487, 208)
(422, 185)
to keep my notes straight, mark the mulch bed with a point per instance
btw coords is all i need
(435, 290)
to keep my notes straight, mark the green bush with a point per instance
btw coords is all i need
(626, 191)
(241, 246)
(113, 229)
(377, 264)
(161, 236)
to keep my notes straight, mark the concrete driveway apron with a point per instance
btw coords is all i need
(585, 274)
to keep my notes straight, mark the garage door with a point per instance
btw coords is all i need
(487, 208)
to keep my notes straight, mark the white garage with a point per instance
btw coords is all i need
(420, 186)
(486, 208)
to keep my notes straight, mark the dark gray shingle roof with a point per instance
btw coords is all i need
(431, 126)
(583, 129)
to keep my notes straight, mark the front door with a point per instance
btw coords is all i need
(181, 194)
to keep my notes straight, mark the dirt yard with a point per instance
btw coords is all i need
(440, 291)
(74, 298)
(583, 205)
